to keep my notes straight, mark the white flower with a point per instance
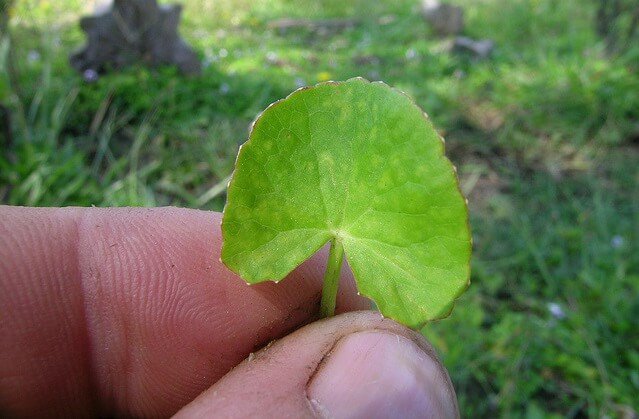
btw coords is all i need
(90, 75)
(459, 74)
(33, 56)
(271, 57)
(556, 311)
(617, 242)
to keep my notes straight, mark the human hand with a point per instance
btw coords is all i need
(128, 312)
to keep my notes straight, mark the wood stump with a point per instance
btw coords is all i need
(134, 31)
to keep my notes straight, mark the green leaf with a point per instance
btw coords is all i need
(358, 163)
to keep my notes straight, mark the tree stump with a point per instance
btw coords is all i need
(134, 31)
(445, 19)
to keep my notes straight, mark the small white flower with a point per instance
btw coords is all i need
(33, 56)
(459, 74)
(90, 75)
(223, 53)
(617, 242)
(210, 58)
(271, 57)
(556, 311)
(225, 88)
(411, 54)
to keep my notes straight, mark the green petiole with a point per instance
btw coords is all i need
(331, 278)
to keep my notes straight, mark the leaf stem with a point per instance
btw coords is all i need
(331, 278)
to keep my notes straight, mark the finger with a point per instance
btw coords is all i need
(351, 366)
(130, 311)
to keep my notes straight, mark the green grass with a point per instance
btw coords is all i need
(544, 134)
(569, 243)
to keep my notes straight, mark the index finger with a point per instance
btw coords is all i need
(130, 311)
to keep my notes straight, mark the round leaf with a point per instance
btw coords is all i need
(361, 163)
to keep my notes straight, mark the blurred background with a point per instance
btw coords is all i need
(538, 101)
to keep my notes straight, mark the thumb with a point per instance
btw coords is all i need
(349, 366)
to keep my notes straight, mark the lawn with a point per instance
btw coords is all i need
(545, 134)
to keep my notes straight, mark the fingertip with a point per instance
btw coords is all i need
(380, 374)
(352, 365)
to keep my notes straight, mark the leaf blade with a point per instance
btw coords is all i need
(360, 162)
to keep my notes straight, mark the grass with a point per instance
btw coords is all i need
(544, 134)
(547, 328)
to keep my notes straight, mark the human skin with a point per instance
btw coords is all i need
(129, 312)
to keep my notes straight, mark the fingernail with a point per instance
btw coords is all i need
(380, 374)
